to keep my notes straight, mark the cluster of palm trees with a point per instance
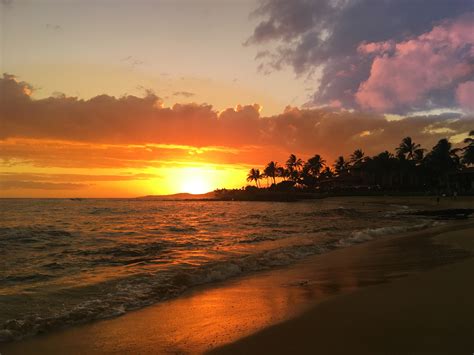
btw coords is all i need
(410, 166)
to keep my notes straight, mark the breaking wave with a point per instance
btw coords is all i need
(91, 261)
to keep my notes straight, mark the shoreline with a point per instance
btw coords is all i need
(298, 196)
(429, 312)
(294, 289)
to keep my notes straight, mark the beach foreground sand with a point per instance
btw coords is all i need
(425, 313)
(401, 294)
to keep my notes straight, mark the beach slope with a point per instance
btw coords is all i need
(425, 313)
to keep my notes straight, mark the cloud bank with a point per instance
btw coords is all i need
(136, 132)
(387, 56)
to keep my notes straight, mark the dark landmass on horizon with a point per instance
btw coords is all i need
(411, 171)
(179, 196)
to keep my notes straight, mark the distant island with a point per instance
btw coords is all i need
(180, 196)
(248, 193)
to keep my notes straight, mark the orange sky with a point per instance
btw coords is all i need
(128, 98)
(131, 146)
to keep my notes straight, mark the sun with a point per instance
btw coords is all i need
(197, 178)
(195, 181)
(195, 185)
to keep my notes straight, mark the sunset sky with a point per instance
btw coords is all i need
(115, 98)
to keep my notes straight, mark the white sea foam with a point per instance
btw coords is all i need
(372, 233)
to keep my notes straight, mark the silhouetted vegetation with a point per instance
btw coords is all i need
(410, 169)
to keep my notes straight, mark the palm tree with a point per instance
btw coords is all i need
(271, 171)
(254, 175)
(356, 157)
(443, 154)
(418, 155)
(410, 168)
(442, 160)
(468, 151)
(407, 148)
(314, 165)
(340, 165)
(383, 167)
(281, 172)
(293, 165)
(326, 173)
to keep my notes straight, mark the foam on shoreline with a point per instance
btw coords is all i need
(424, 313)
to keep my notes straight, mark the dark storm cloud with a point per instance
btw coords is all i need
(326, 35)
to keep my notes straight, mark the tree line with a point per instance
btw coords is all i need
(409, 167)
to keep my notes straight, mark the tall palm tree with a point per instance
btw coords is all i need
(271, 171)
(326, 173)
(407, 148)
(314, 165)
(356, 157)
(442, 160)
(293, 166)
(281, 172)
(443, 149)
(294, 163)
(383, 167)
(468, 151)
(254, 175)
(340, 165)
(418, 155)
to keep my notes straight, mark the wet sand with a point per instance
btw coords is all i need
(402, 293)
(425, 313)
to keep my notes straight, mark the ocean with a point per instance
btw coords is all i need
(66, 262)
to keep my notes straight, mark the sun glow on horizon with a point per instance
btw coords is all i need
(195, 181)
(201, 179)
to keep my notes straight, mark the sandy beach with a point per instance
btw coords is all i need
(425, 313)
(407, 293)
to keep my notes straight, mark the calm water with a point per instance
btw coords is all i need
(64, 262)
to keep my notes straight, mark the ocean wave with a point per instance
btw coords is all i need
(77, 262)
(143, 290)
(369, 234)
(181, 229)
(117, 297)
(25, 278)
(334, 212)
(256, 239)
(31, 234)
(123, 253)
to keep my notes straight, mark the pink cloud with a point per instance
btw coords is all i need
(465, 95)
(376, 47)
(406, 73)
(335, 104)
